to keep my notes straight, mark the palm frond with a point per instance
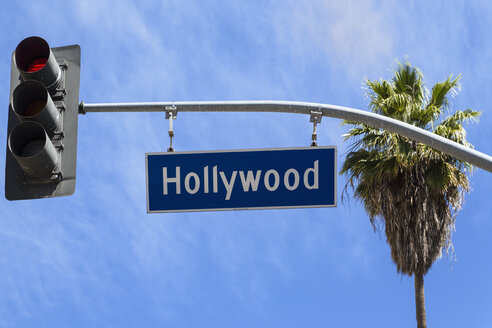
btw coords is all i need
(442, 90)
(452, 126)
(409, 80)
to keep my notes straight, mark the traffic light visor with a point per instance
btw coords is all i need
(32, 149)
(35, 61)
(31, 101)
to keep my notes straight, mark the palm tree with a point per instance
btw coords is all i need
(410, 189)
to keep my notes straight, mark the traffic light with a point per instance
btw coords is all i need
(42, 124)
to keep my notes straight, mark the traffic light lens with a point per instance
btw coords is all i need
(32, 148)
(36, 65)
(31, 102)
(34, 108)
(29, 54)
(27, 139)
(29, 98)
(35, 61)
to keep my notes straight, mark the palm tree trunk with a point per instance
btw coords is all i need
(420, 300)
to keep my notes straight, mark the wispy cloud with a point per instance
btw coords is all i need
(353, 34)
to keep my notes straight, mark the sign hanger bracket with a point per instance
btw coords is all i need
(171, 114)
(315, 119)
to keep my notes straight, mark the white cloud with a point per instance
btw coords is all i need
(354, 34)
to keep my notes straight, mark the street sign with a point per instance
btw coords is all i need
(241, 179)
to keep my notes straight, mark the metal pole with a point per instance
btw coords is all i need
(447, 146)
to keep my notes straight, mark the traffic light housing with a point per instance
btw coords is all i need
(43, 118)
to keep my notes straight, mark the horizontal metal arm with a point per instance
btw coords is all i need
(447, 146)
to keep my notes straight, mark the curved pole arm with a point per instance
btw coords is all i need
(430, 139)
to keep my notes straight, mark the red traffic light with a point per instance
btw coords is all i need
(35, 61)
(36, 64)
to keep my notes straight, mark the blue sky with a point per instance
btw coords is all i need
(96, 259)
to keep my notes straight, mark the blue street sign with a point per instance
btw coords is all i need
(241, 179)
